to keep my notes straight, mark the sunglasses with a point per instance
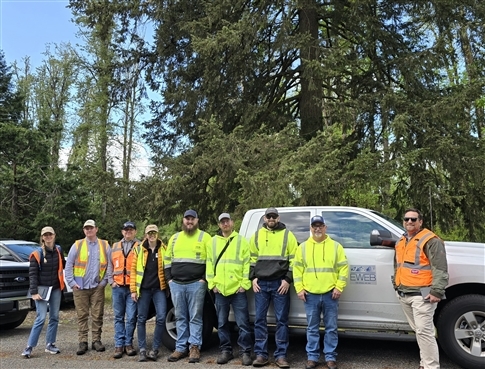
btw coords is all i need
(152, 233)
(314, 226)
(410, 219)
(272, 216)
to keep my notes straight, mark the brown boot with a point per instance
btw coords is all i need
(118, 353)
(176, 356)
(130, 351)
(194, 355)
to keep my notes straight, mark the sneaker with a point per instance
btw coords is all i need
(98, 346)
(282, 362)
(225, 357)
(130, 351)
(332, 364)
(246, 359)
(118, 353)
(176, 356)
(260, 361)
(143, 356)
(52, 349)
(83, 348)
(27, 352)
(152, 355)
(310, 364)
(194, 355)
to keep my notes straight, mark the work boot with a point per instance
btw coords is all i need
(118, 353)
(225, 357)
(332, 364)
(98, 346)
(152, 355)
(130, 351)
(176, 356)
(260, 361)
(83, 348)
(310, 364)
(246, 359)
(282, 362)
(194, 355)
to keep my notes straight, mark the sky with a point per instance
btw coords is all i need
(26, 26)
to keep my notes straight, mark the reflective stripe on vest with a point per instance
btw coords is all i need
(121, 272)
(81, 261)
(273, 257)
(60, 274)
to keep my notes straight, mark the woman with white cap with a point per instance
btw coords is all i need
(46, 272)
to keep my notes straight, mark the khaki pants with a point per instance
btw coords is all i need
(419, 314)
(87, 301)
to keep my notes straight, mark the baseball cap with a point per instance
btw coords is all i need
(151, 228)
(317, 219)
(129, 224)
(47, 230)
(224, 216)
(271, 211)
(89, 223)
(190, 213)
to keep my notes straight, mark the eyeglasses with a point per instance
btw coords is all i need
(410, 219)
(318, 226)
(271, 216)
(152, 233)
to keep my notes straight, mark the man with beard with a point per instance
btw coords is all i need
(272, 250)
(320, 271)
(185, 263)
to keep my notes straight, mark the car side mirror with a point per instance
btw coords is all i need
(381, 237)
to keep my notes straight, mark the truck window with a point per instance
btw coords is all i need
(296, 222)
(350, 229)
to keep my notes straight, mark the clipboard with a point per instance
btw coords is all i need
(43, 291)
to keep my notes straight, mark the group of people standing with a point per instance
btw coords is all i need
(227, 265)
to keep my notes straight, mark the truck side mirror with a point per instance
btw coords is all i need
(381, 237)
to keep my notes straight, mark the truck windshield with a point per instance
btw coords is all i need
(389, 219)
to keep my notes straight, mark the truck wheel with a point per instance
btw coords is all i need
(15, 324)
(461, 331)
(169, 334)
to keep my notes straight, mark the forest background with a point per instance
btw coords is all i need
(247, 104)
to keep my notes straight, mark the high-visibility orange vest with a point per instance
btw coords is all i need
(81, 261)
(413, 267)
(122, 264)
(60, 274)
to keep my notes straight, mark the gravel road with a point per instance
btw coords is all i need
(353, 353)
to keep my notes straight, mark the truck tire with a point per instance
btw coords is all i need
(461, 331)
(169, 333)
(15, 324)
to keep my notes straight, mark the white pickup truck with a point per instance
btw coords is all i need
(369, 307)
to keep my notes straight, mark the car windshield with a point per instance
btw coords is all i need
(23, 250)
(389, 219)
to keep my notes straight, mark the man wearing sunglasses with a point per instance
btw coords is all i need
(320, 271)
(420, 279)
(272, 250)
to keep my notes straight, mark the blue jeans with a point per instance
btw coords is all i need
(281, 306)
(160, 301)
(188, 301)
(41, 313)
(239, 304)
(123, 304)
(315, 305)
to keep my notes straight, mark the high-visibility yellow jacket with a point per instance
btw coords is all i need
(272, 252)
(319, 267)
(232, 270)
(140, 254)
(186, 256)
(122, 263)
(81, 262)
